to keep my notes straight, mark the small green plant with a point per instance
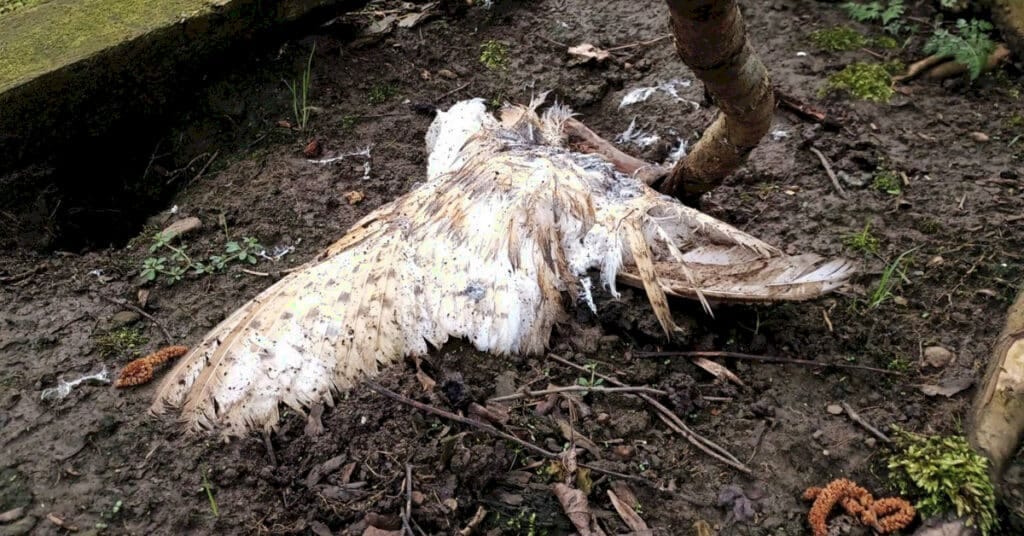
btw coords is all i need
(494, 55)
(593, 381)
(178, 263)
(891, 276)
(300, 94)
(209, 495)
(947, 476)
(899, 364)
(969, 46)
(863, 241)
(887, 181)
(523, 524)
(865, 81)
(381, 93)
(889, 14)
(125, 341)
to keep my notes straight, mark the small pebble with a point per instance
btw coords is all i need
(834, 409)
(445, 73)
(937, 356)
(979, 137)
(871, 442)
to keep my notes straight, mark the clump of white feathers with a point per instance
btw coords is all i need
(507, 221)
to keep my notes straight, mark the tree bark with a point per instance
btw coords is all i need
(711, 39)
(997, 416)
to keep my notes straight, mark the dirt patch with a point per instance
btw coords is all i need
(96, 460)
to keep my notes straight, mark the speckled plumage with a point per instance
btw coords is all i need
(508, 220)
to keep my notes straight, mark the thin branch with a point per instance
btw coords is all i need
(493, 431)
(147, 316)
(452, 92)
(767, 359)
(643, 171)
(831, 174)
(640, 43)
(855, 417)
(673, 421)
(578, 388)
(407, 511)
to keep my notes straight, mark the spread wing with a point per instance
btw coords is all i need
(475, 254)
(507, 222)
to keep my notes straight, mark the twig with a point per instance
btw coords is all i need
(452, 92)
(206, 165)
(640, 43)
(831, 174)
(855, 417)
(578, 388)
(268, 274)
(147, 316)
(407, 511)
(673, 421)
(492, 430)
(630, 165)
(766, 359)
(803, 110)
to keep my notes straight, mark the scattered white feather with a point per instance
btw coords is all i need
(637, 136)
(670, 88)
(677, 154)
(779, 135)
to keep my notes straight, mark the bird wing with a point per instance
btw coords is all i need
(475, 254)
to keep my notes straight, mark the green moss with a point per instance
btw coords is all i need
(57, 32)
(124, 342)
(7, 6)
(838, 39)
(887, 181)
(494, 55)
(885, 42)
(381, 93)
(865, 81)
(946, 476)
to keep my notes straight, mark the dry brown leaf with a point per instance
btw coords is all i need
(426, 382)
(573, 435)
(629, 516)
(947, 388)
(718, 370)
(574, 504)
(312, 149)
(589, 52)
(180, 227)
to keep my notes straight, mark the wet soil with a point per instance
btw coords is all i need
(96, 461)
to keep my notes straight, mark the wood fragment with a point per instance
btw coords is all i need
(629, 516)
(645, 172)
(828, 170)
(855, 417)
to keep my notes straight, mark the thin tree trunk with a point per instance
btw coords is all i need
(996, 425)
(711, 39)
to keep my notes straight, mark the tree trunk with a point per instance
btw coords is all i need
(997, 416)
(711, 39)
(1009, 18)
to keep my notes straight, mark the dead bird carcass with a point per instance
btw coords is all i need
(508, 220)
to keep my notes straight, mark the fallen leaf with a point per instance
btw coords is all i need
(589, 52)
(426, 382)
(573, 435)
(947, 388)
(284, 124)
(574, 504)
(312, 149)
(493, 413)
(629, 516)
(11, 515)
(717, 370)
(181, 227)
(411, 20)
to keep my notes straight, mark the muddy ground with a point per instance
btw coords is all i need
(98, 462)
